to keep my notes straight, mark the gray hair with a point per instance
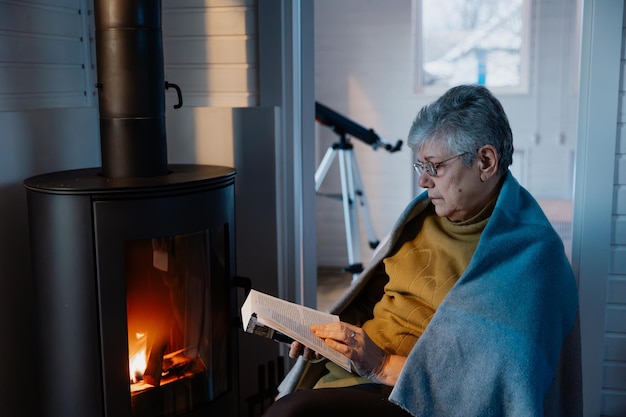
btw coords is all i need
(464, 119)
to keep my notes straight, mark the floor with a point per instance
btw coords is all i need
(331, 283)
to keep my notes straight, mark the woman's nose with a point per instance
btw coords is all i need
(424, 180)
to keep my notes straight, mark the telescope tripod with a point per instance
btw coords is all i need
(351, 191)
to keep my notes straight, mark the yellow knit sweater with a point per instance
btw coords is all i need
(432, 255)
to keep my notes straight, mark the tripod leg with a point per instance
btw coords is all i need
(363, 205)
(349, 210)
(324, 166)
(349, 172)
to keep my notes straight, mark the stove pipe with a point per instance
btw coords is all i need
(131, 88)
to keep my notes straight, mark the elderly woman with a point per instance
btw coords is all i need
(469, 307)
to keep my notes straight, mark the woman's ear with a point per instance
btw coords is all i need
(487, 162)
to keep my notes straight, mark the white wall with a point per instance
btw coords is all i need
(363, 70)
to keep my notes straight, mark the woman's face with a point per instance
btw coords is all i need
(457, 191)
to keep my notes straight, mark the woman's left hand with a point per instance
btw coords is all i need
(352, 342)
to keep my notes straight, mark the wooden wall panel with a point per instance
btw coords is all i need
(214, 79)
(56, 20)
(616, 321)
(215, 49)
(47, 50)
(38, 80)
(44, 54)
(614, 367)
(209, 21)
(614, 376)
(16, 49)
(614, 346)
(210, 50)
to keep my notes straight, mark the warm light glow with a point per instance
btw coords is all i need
(137, 359)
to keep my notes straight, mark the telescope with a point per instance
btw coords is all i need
(352, 191)
(344, 126)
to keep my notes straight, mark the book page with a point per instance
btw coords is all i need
(292, 320)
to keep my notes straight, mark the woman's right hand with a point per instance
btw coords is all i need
(298, 349)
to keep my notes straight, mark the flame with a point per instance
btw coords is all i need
(137, 359)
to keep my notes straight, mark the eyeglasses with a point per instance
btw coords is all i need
(431, 167)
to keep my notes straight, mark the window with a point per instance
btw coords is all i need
(471, 42)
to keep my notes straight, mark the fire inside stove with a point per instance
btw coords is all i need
(172, 321)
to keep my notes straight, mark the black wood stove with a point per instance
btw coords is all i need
(134, 261)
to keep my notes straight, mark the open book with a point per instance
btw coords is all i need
(284, 321)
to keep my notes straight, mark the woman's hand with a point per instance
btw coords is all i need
(368, 359)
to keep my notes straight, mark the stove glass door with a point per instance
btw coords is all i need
(177, 316)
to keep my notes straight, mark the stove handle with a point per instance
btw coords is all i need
(178, 92)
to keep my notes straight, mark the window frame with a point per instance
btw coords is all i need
(417, 71)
